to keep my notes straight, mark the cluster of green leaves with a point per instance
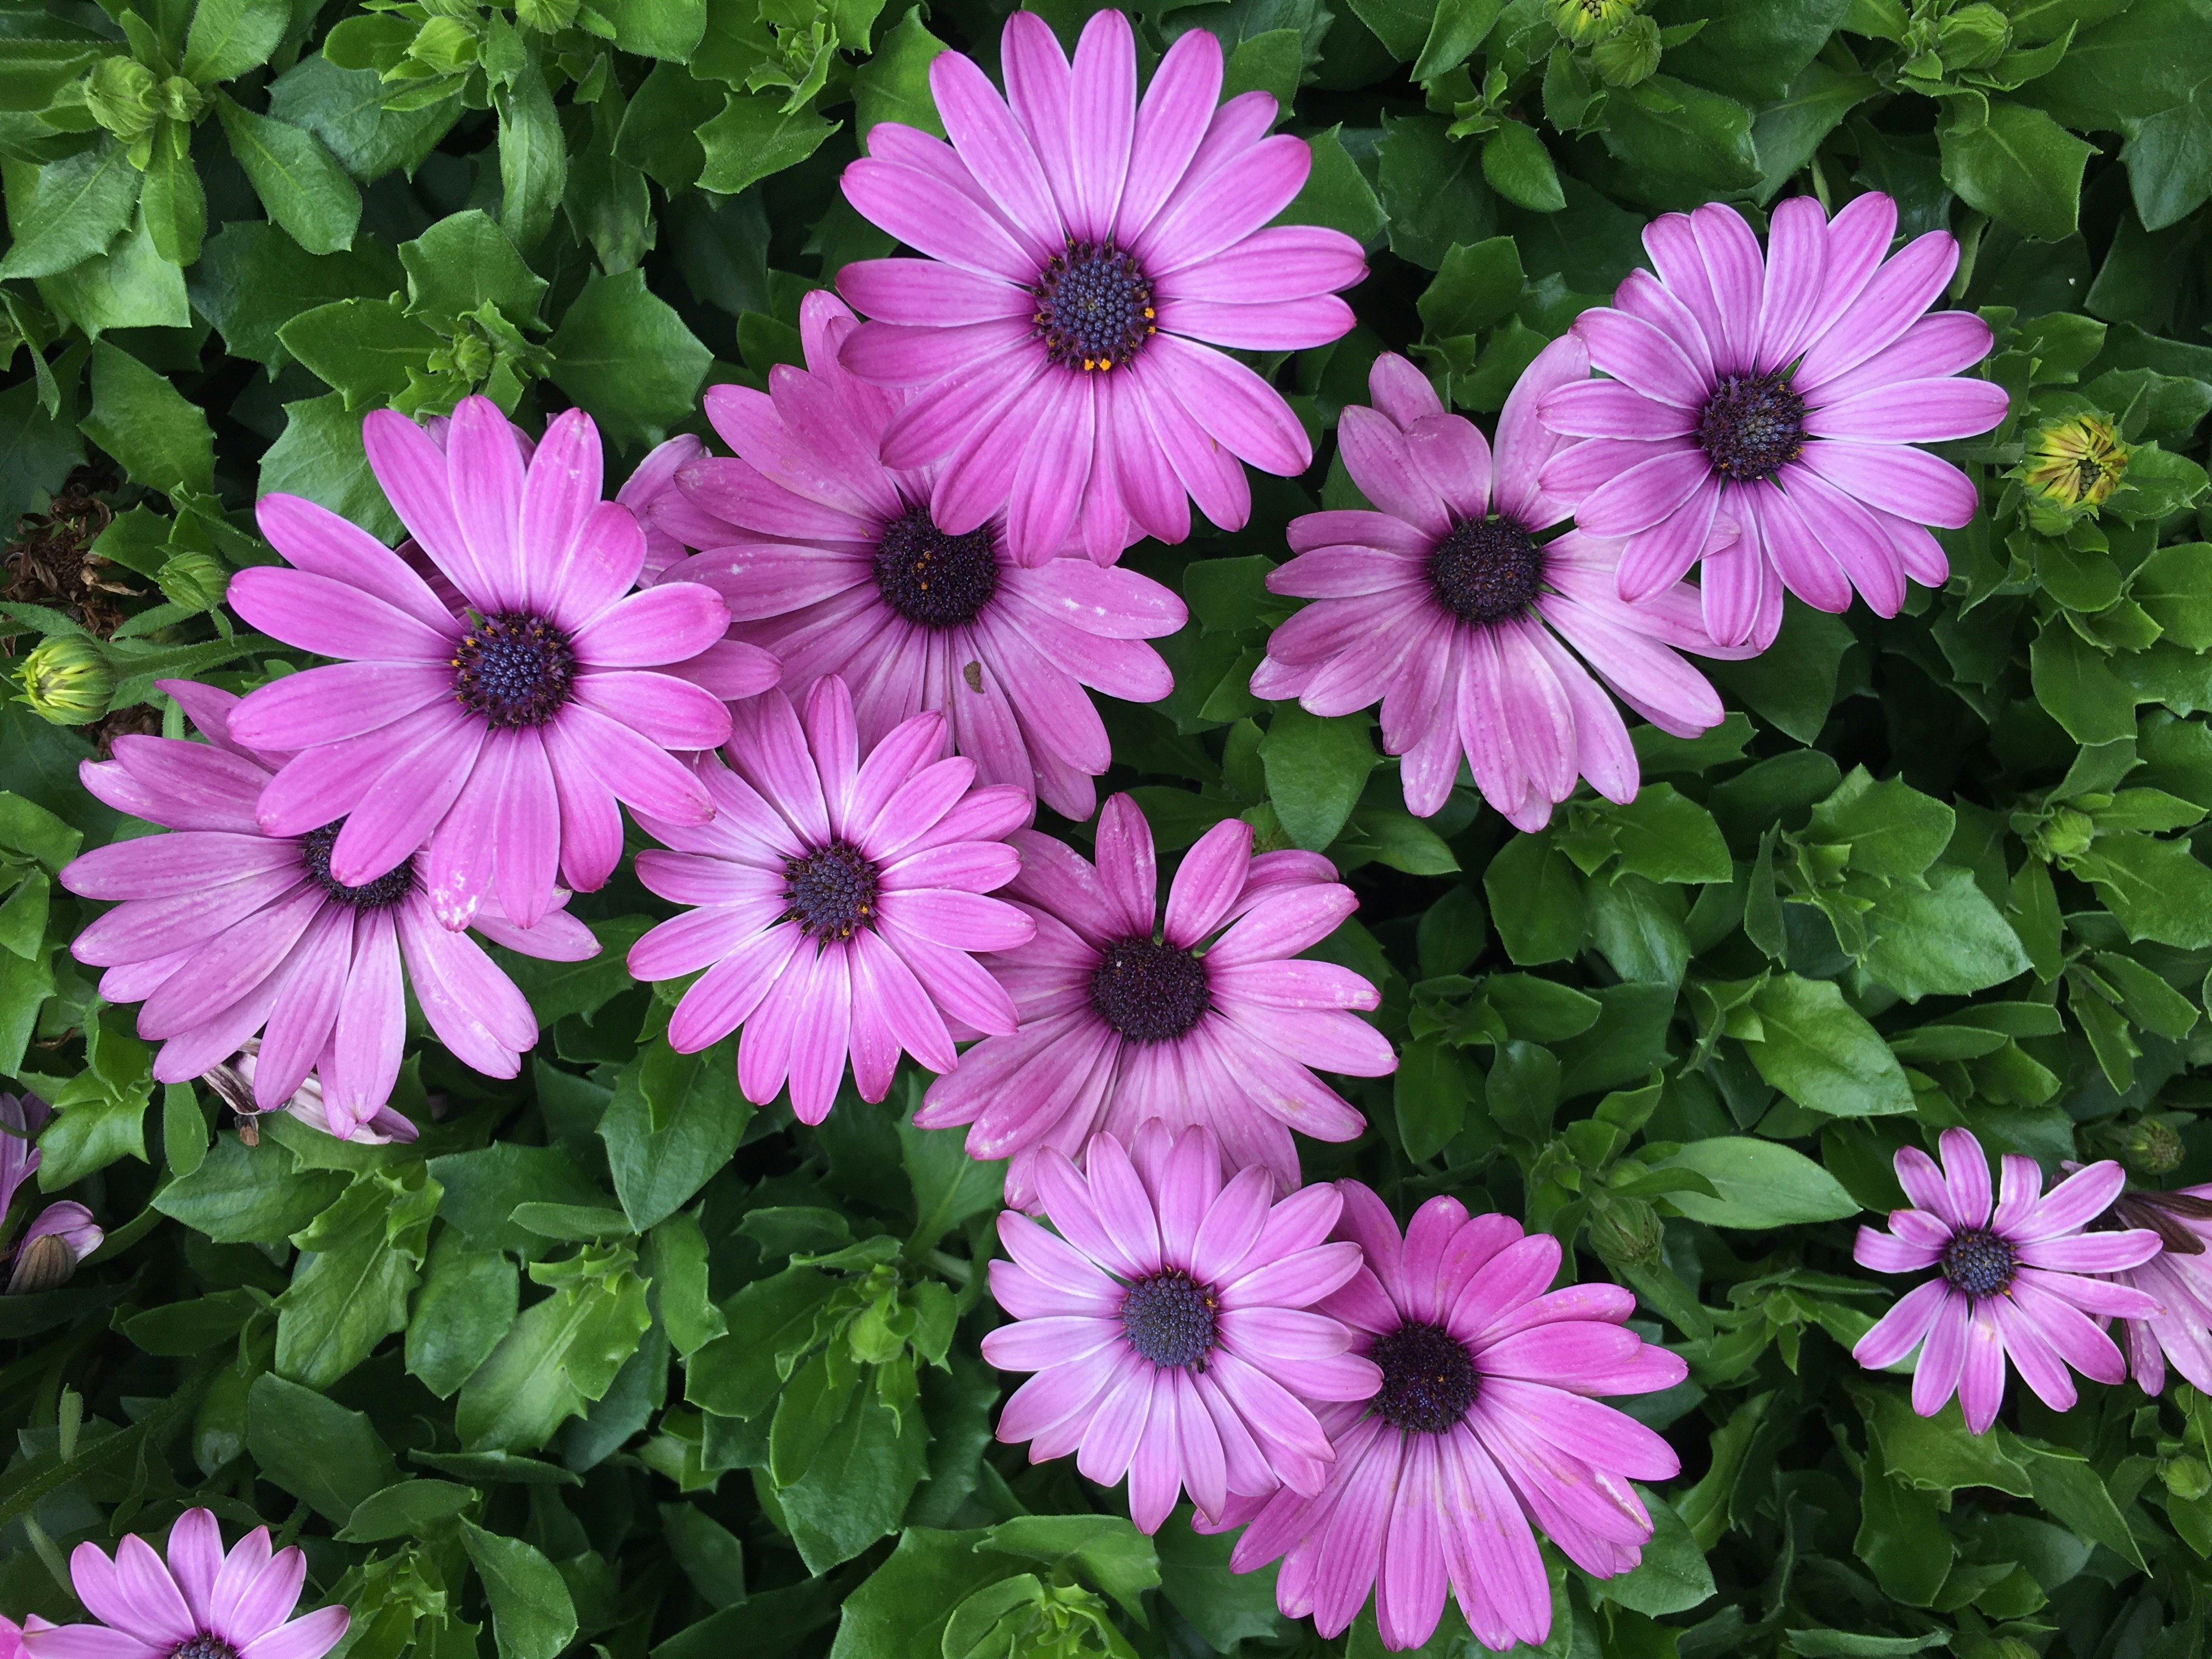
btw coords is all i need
(611, 1359)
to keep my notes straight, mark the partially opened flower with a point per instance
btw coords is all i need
(61, 1235)
(832, 561)
(223, 929)
(232, 1081)
(2011, 1283)
(495, 740)
(1483, 1431)
(1168, 1323)
(1083, 249)
(2179, 1279)
(840, 894)
(1780, 395)
(1479, 640)
(199, 1604)
(1209, 1016)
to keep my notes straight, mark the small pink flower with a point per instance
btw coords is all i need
(1484, 1428)
(201, 1604)
(2012, 1284)
(1169, 1326)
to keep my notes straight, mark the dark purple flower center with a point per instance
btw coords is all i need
(1752, 425)
(386, 891)
(1148, 990)
(204, 1645)
(1428, 1378)
(1979, 1262)
(1171, 1319)
(512, 669)
(1486, 570)
(932, 580)
(1094, 307)
(831, 892)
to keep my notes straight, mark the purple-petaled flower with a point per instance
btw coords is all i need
(1779, 396)
(495, 740)
(62, 1234)
(2179, 1279)
(2010, 1284)
(200, 1604)
(232, 1081)
(1483, 1428)
(831, 561)
(653, 482)
(1124, 1019)
(224, 929)
(1168, 1324)
(1445, 606)
(840, 894)
(1081, 246)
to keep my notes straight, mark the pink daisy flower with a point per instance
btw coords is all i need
(1780, 397)
(200, 1604)
(502, 734)
(1081, 246)
(224, 927)
(1445, 606)
(1168, 1324)
(839, 894)
(2010, 1284)
(1484, 1428)
(831, 561)
(61, 1235)
(2179, 1279)
(1209, 1018)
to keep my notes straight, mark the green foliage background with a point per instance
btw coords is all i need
(611, 1358)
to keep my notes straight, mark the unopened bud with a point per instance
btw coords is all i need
(1631, 56)
(2186, 1478)
(120, 94)
(197, 581)
(2151, 1148)
(2075, 464)
(2067, 834)
(1586, 22)
(1627, 1231)
(68, 681)
(45, 1264)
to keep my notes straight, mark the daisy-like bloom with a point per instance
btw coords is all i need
(1168, 1324)
(840, 894)
(62, 1234)
(200, 1604)
(224, 929)
(1445, 606)
(1781, 396)
(1125, 1017)
(2179, 1279)
(1483, 1427)
(831, 561)
(2011, 1282)
(1081, 246)
(2076, 463)
(232, 1081)
(501, 735)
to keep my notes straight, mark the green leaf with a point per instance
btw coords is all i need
(739, 1374)
(364, 348)
(657, 28)
(467, 1301)
(531, 1615)
(2158, 890)
(1789, 129)
(1519, 168)
(482, 1187)
(410, 1508)
(1664, 836)
(857, 1483)
(1535, 901)
(2174, 584)
(357, 1268)
(252, 278)
(68, 211)
(175, 206)
(1431, 189)
(559, 1357)
(1791, 684)
(1943, 939)
(2150, 57)
(1673, 1576)
(314, 1448)
(319, 455)
(2074, 684)
(2021, 168)
(949, 1186)
(1891, 828)
(1429, 1092)
(464, 261)
(674, 1122)
(1107, 1549)
(2075, 1496)
(242, 1194)
(1683, 137)
(1225, 1606)
(752, 137)
(345, 108)
(1820, 1052)
(229, 37)
(533, 160)
(1475, 288)
(1316, 769)
(162, 440)
(1336, 193)
(893, 85)
(130, 286)
(1271, 62)
(1938, 1453)
(299, 181)
(1759, 1183)
(900, 1610)
(624, 354)
(711, 1555)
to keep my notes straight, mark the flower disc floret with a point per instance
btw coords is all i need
(831, 891)
(1486, 570)
(1094, 307)
(1149, 990)
(386, 891)
(935, 581)
(514, 670)
(1171, 1319)
(1979, 1263)
(1428, 1379)
(1752, 425)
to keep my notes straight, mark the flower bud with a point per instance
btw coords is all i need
(195, 580)
(2151, 1148)
(1586, 22)
(2066, 835)
(2186, 1478)
(182, 102)
(120, 94)
(67, 680)
(546, 16)
(1626, 1231)
(2076, 465)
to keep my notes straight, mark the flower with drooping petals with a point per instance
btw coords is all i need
(2179, 1279)
(1445, 606)
(232, 1081)
(1082, 248)
(224, 929)
(495, 740)
(61, 1235)
(1169, 1323)
(2011, 1284)
(1781, 395)
(1484, 1427)
(839, 896)
(1125, 1017)
(831, 561)
(200, 1604)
